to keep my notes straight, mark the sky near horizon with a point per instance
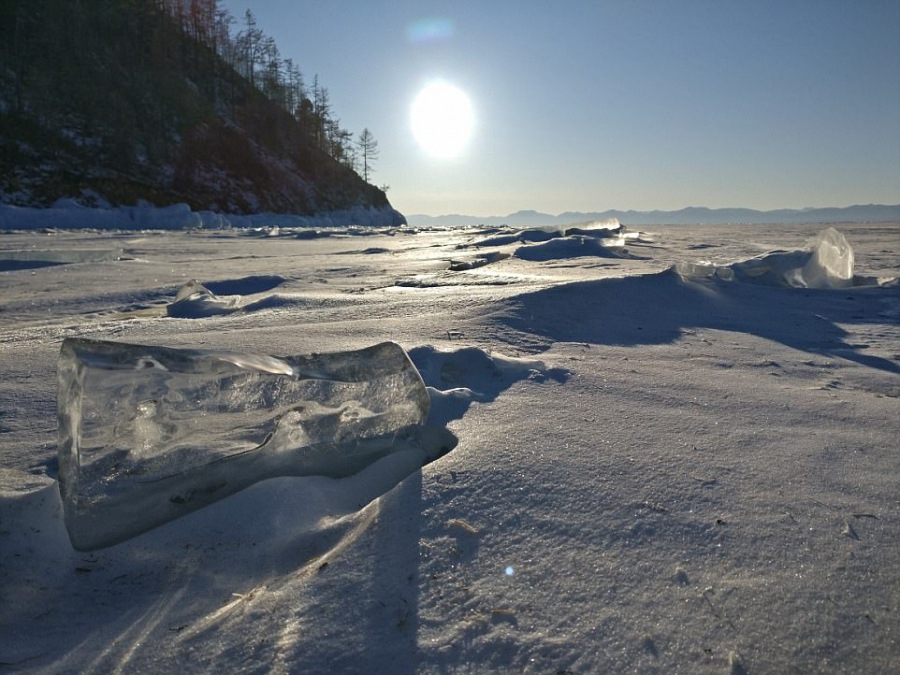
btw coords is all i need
(595, 105)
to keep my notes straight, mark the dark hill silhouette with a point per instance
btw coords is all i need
(113, 101)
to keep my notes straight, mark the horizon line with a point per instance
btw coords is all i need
(632, 210)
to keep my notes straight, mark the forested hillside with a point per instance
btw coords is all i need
(164, 101)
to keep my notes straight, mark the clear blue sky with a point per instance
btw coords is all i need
(629, 104)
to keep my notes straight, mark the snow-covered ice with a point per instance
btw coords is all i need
(655, 471)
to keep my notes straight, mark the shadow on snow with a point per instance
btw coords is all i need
(658, 308)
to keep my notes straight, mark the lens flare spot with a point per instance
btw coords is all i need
(442, 120)
(430, 30)
(510, 571)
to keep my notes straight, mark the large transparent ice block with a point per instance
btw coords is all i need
(147, 434)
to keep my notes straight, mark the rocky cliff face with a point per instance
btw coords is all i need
(112, 102)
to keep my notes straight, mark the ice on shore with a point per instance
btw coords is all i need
(68, 214)
(148, 433)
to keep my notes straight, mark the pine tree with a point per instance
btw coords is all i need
(368, 152)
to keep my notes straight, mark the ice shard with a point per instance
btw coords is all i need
(148, 433)
(827, 262)
(196, 301)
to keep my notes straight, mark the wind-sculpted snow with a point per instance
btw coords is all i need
(477, 261)
(458, 377)
(605, 239)
(827, 262)
(148, 434)
(572, 247)
(606, 229)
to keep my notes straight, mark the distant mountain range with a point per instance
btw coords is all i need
(692, 215)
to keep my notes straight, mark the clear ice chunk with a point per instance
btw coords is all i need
(196, 301)
(831, 263)
(148, 433)
(827, 262)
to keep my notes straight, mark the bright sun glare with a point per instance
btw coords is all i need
(442, 120)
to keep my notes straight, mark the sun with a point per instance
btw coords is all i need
(442, 120)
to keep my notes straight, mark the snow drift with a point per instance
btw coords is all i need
(604, 239)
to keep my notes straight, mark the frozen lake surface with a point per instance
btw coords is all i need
(655, 472)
